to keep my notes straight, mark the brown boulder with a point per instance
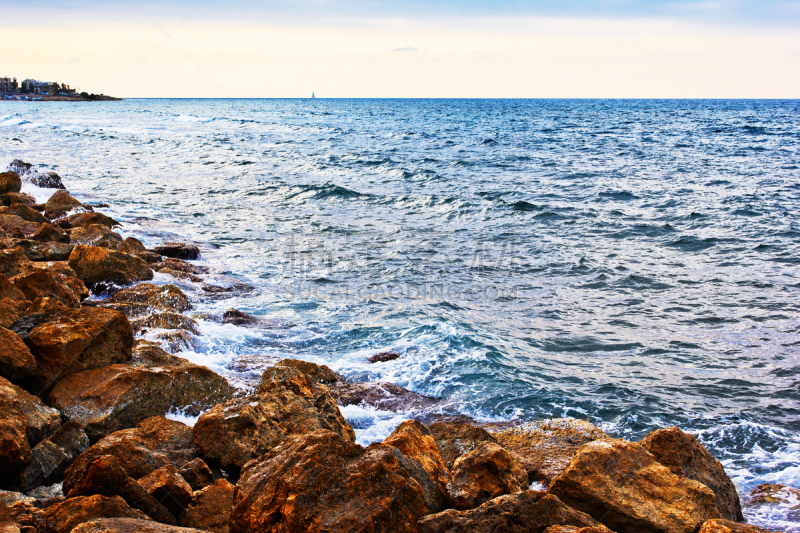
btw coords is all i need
(486, 472)
(50, 232)
(232, 433)
(9, 290)
(78, 340)
(13, 261)
(728, 526)
(169, 488)
(64, 516)
(523, 512)
(17, 227)
(66, 276)
(455, 439)
(101, 267)
(622, 484)
(180, 265)
(686, 457)
(116, 397)
(149, 354)
(210, 509)
(383, 396)
(146, 298)
(545, 447)
(129, 525)
(60, 204)
(89, 219)
(46, 306)
(774, 499)
(178, 274)
(573, 529)
(166, 321)
(19, 516)
(178, 250)
(53, 455)
(14, 198)
(16, 361)
(95, 235)
(131, 245)
(147, 256)
(10, 182)
(40, 420)
(15, 451)
(24, 212)
(322, 482)
(43, 283)
(12, 310)
(319, 373)
(46, 251)
(197, 474)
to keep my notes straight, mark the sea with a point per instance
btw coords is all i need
(633, 263)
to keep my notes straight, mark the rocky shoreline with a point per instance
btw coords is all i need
(85, 445)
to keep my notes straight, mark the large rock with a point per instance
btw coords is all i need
(17, 198)
(573, 529)
(41, 420)
(10, 182)
(95, 235)
(169, 488)
(64, 516)
(523, 512)
(66, 276)
(324, 483)
(728, 526)
(197, 474)
(289, 402)
(622, 484)
(456, 439)
(50, 232)
(178, 250)
(24, 212)
(415, 441)
(100, 267)
(166, 321)
(210, 509)
(132, 245)
(153, 443)
(686, 457)
(17, 227)
(76, 341)
(117, 397)
(319, 373)
(16, 361)
(13, 261)
(485, 473)
(60, 204)
(149, 354)
(774, 500)
(46, 251)
(382, 396)
(53, 455)
(89, 219)
(545, 447)
(20, 515)
(129, 525)
(42, 283)
(12, 311)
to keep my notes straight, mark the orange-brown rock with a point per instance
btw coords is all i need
(775, 499)
(88, 219)
(181, 266)
(622, 484)
(64, 516)
(42, 283)
(12, 310)
(197, 474)
(523, 512)
(210, 509)
(40, 420)
(78, 340)
(147, 256)
(545, 447)
(322, 482)
(13, 261)
(729, 526)
(62, 271)
(131, 245)
(383, 396)
(100, 267)
(129, 525)
(10, 182)
(95, 235)
(24, 212)
(319, 373)
(146, 298)
(46, 306)
(149, 354)
(14, 198)
(18, 516)
(485, 473)
(573, 529)
(414, 440)
(456, 439)
(686, 457)
(16, 361)
(232, 433)
(15, 451)
(50, 232)
(165, 321)
(169, 488)
(116, 397)
(60, 204)
(53, 455)
(178, 250)
(15, 226)
(46, 251)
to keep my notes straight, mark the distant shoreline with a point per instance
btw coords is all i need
(30, 97)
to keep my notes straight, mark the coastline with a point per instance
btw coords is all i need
(56, 98)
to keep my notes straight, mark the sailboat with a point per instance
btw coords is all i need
(312, 95)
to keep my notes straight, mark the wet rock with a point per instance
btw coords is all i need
(41, 420)
(166, 321)
(43, 179)
(46, 306)
(60, 204)
(9, 290)
(43, 283)
(66, 276)
(238, 318)
(485, 473)
(95, 235)
(50, 232)
(13, 261)
(12, 311)
(76, 341)
(729, 526)
(176, 341)
(545, 447)
(53, 455)
(235, 432)
(20, 516)
(117, 397)
(129, 525)
(292, 489)
(148, 257)
(686, 457)
(775, 499)
(47, 251)
(384, 357)
(17, 198)
(149, 354)
(383, 396)
(24, 212)
(100, 267)
(16, 361)
(622, 484)
(197, 474)
(104, 476)
(10, 182)
(62, 517)
(181, 266)
(169, 488)
(131, 245)
(153, 443)
(210, 509)
(456, 439)
(15, 451)
(17, 227)
(90, 219)
(523, 512)
(573, 529)
(178, 250)
(146, 298)
(414, 440)
(319, 373)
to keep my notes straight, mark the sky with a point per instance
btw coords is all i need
(411, 49)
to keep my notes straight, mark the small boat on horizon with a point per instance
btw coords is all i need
(312, 95)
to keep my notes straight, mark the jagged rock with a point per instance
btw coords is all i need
(16, 361)
(484, 473)
(13, 261)
(17, 227)
(64, 516)
(319, 373)
(40, 420)
(237, 431)
(153, 443)
(149, 257)
(176, 341)
(46, 306)
(180, 265)
(100, 267)
(43, 283)
(95, 235)
(169, 488)
(20, 516)
(210, 509)
(166, 321)
(383, 396)
(60, 204)
(686, 457)
(46, 495)
(197, 474)
(105, 477)
(383, 357)
(53, 455)
(149, 354)
(146, 298)
(178, 250)
(15, 452)
(523, 512)
(132, 245)
(17, 198)
(65, 275)
(129, 525)
(76, 341)
(24, 212)
(238, 318)
(414, 440)
(9, 290)
(90, 219)
(12, 311)
(117, 397)
(322, 482)
(545, 447)
(622, 484)
(50, 232)
(455, 439)
(573, 529)
(10, 182)
(771, 497)
(46, 251)
(728, 526)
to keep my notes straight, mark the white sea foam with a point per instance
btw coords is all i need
(179, 415)
(192, 118)
(370, 424)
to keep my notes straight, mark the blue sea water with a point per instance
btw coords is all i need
(633, 263)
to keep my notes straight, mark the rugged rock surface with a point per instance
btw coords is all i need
(523, 512)
(12, 311)
(235, 432)
(40, 420)
(319, 373)
(178, 250)
(210, 509)
(95, 235)
(60, 204)
(383, 357)
(90, 219)
(50, 232)
(769, 498)
(622, 485)
(485, 473)
(129, 525)
(573, 529)
(686, 457)
(64, 516)
(45, 283)
(20, 515)
(15, 451)
(455, 439)
(15, 198)
(166, 321)
(131, 245)
(149, 354)
(53, 455)
(545, 447)
(13, 261)
(10, 182)
(239, 318)
(169, 488)
(146, 298)
(383, 396)
(16, 361)
(197, 474)
(729, 526)
(24, 212)
(17, 227)
(100, 267)
(324, 483)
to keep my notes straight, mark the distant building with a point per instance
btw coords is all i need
(8, 85)
(35, 86)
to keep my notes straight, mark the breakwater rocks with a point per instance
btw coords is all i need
(85, 445)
